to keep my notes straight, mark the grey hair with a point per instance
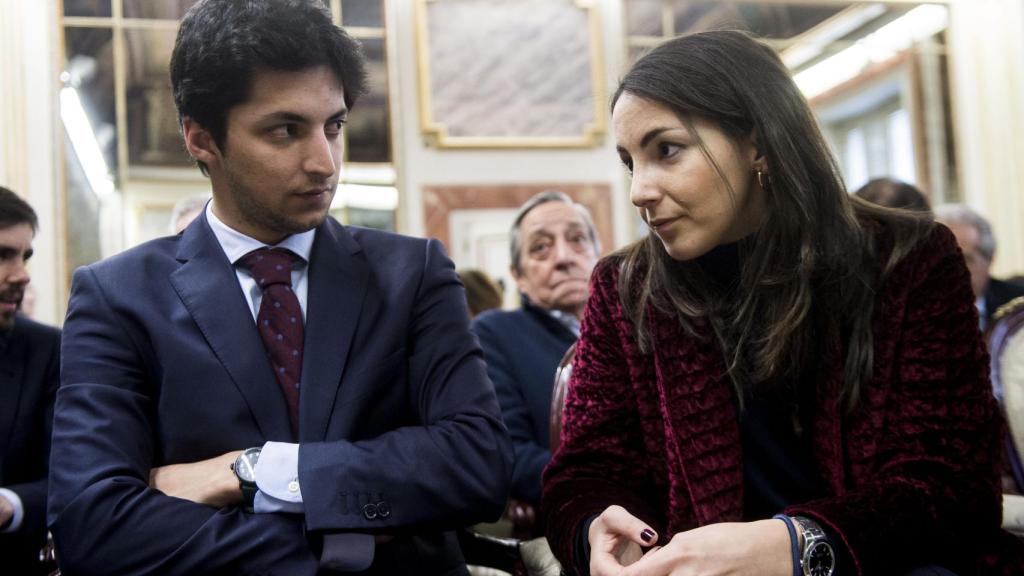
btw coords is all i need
(186, 205)
(963, 214)
(515, 238)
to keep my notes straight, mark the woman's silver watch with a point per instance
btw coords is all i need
(817, 557)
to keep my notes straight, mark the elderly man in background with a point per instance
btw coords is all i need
(186, 210)
(29, 375)
(974, 235)
(554, 247)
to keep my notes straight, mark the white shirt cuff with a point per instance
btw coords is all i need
(19, 509)
(277, 477)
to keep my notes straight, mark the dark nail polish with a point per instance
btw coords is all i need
(647, 535)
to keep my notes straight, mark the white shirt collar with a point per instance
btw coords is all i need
(570, 321)
(235, 244)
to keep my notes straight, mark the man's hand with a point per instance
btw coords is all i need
(210, 482)
(6, 512)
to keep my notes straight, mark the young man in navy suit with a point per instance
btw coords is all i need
(271, 392)
(29, 374)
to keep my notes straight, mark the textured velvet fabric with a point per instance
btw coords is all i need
(912, 474)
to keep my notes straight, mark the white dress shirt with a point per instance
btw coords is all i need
(277, 470)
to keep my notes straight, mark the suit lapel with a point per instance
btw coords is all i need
(337, 285)
(208, 287)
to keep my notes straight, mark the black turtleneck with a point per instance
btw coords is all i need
(722, 264)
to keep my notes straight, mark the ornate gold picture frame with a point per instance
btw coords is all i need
(510, 73)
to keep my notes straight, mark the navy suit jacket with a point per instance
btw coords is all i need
(29, 375)
(523, 348)
(163, 364)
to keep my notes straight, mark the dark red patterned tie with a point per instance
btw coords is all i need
(279, 320)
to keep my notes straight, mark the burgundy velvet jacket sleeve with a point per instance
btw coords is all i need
(922, 452)
(600, 459)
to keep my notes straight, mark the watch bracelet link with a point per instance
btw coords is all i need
(811, 533)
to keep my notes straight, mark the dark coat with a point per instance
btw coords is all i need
(29, 375)
(912, 475)
(999, 292)
(163, 364)
(522, 349)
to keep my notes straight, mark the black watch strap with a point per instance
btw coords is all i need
(244, 468)
(249, 490)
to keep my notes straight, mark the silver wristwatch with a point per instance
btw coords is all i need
(818, 557)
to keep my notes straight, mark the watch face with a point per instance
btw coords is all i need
(821, 559)
(245, 465)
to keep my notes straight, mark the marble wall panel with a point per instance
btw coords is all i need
(510, 71)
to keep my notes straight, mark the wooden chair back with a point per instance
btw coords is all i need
(1006, 347)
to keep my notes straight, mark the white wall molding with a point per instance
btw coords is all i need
(986, 41)
(30, 150)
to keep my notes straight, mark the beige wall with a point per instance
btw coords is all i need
(29, 146)
(986, 42)
(420, 164)
(987, 59)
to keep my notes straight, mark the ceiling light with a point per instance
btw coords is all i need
(881, 45)
(83, 140)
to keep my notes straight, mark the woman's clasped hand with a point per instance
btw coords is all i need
(623, 545)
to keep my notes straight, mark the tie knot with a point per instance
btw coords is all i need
(270, 266)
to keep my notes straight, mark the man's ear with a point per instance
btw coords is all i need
(199, 142)
(518, 278)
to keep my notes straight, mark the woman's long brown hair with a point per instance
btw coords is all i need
(813, 263)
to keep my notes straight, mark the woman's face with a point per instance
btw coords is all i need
(676, 188)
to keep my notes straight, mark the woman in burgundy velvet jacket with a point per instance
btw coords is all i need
(774, 347)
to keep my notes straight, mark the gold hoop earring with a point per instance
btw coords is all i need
(764, 180)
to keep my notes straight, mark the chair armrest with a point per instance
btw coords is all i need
(538, 558)
(1013, 514)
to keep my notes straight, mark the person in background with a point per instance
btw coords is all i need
(186, 210)
(553, 249)
(780, 378)
(893, 193)
(974, 236)
(270, 392)
(29, 375)
(482, 293)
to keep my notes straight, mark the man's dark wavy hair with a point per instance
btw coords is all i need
(222, 44)
(14, 211)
